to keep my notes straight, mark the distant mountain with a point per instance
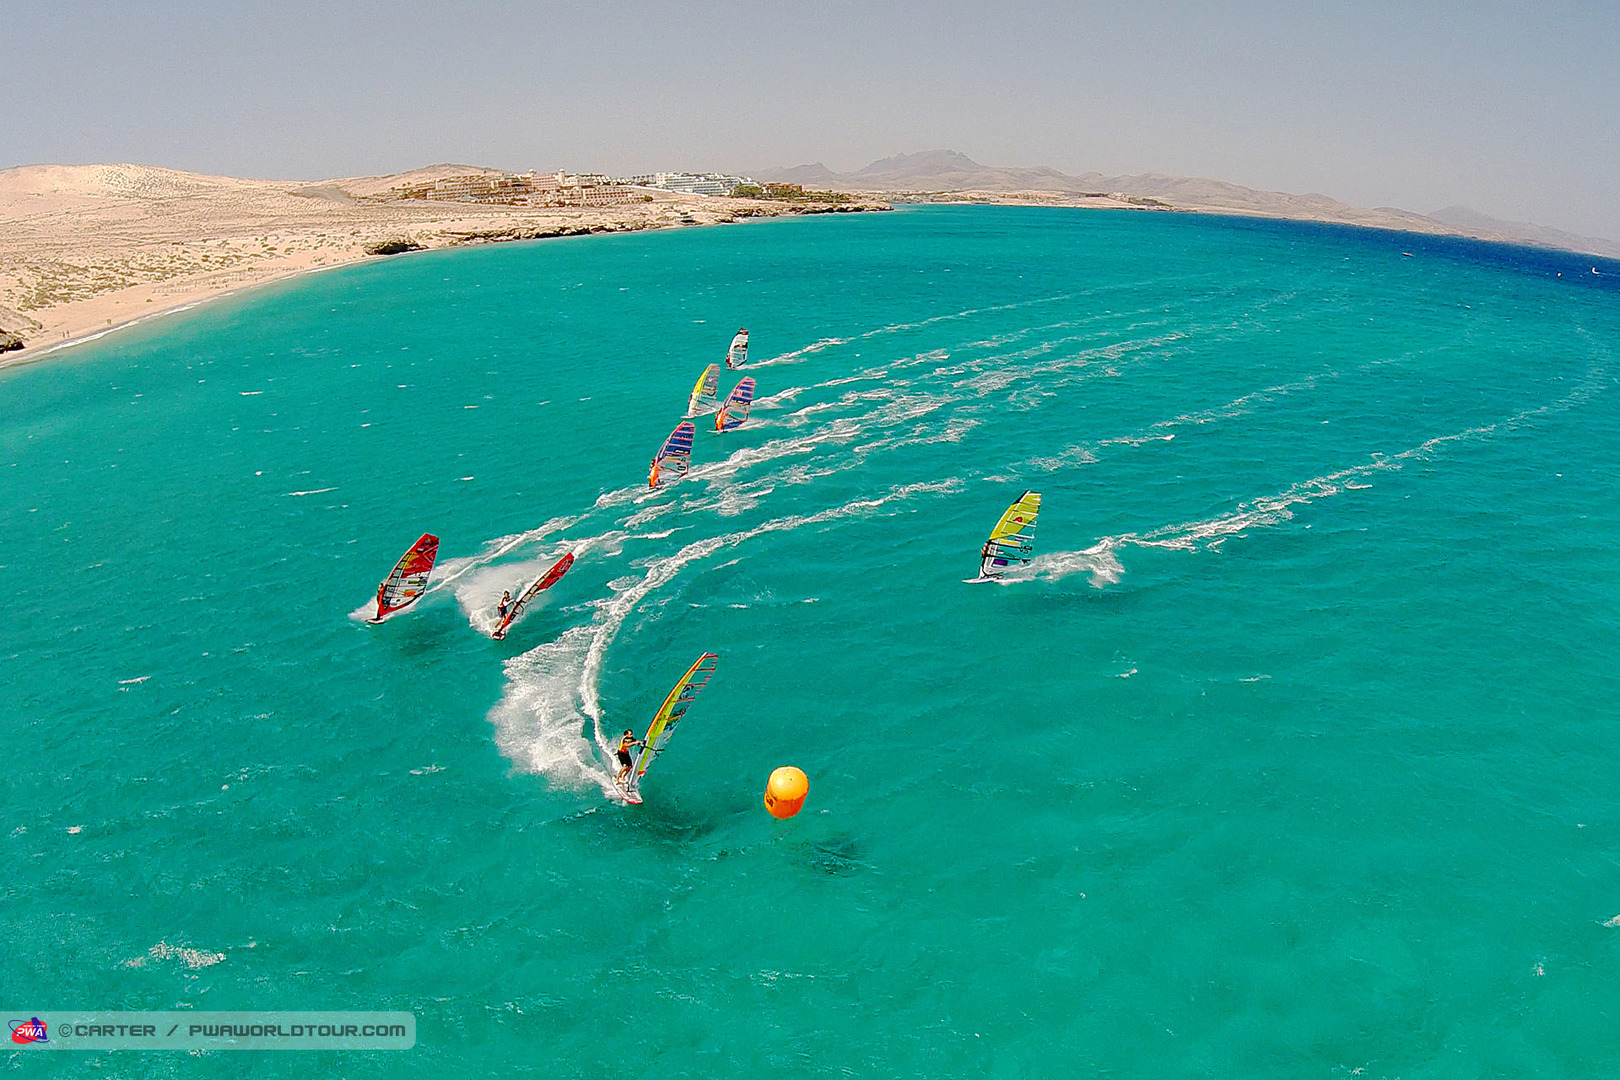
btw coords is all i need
(1478, 224)
(948, 170)
(810, 176)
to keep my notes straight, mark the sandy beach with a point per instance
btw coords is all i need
(88, 248)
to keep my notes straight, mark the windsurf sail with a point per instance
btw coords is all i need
(538, 586)
(737, 355)
(735, 410)
(1012, 540)
(674, 457)
(669, 714)
(702, 399)
(403, 587)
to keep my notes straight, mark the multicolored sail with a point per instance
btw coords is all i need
(674, 457)
(737, 355)
(663, 725)
(538, 586)
(703, 393)
(1013, 538)
(735, 410)
(404, 586)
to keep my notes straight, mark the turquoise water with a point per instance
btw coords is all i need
(1294, 753)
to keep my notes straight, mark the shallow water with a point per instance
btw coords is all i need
(1293, 753)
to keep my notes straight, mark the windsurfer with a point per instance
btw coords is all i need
(626, 744)
(506, 602)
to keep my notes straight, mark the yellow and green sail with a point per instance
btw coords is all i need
(702, 398)
(669, 714)
(1012, 540)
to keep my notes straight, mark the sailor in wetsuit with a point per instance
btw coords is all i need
(626, 744)
(506, 602)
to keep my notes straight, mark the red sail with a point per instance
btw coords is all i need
(541, 584)
(404, 586)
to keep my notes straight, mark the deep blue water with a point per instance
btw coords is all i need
(1294, 753)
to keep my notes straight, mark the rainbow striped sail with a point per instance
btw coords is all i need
(674, 457)
(735, 410)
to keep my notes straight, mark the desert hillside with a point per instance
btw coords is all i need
(946, 174)
(86, 247)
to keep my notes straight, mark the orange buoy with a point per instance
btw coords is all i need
(785, 791)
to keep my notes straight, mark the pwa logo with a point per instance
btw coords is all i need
(28, 1031)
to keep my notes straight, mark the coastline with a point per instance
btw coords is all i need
(90, 250)
(1312, 209)
(34, 353)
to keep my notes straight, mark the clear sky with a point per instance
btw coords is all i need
(1512, 109)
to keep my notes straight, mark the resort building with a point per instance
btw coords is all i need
(526, 189)
(692, 183)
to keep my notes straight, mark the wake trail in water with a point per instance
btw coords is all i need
(452, 570)
(1089, 453)
(799, 354)
(549, 719)
(1101, 559)
(892, 403)
(553, 690)
(478, 580)
(1129, 287)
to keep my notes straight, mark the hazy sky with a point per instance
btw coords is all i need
(1511, 109)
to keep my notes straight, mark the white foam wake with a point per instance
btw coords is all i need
(537, 725)
(450, 571)
(1087, 453)
(796, 355)
(552, 691)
